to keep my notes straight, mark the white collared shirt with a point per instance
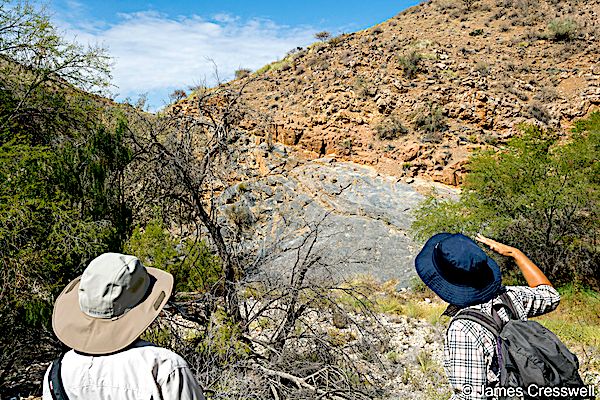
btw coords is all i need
(141, 372)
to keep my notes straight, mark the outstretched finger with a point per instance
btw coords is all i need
(483, 239)
(492, 244)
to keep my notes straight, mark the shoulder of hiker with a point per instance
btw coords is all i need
(535, 300)
(463, 330)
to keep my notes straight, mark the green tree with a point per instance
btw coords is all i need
(192, 263)
(538, 194)
(62, 160)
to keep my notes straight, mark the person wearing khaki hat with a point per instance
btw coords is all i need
(100, 316)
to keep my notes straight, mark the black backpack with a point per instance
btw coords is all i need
(527, 353)
(55, 384)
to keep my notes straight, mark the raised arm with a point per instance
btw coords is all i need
(533, 275)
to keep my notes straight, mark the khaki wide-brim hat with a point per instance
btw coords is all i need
(92, 335)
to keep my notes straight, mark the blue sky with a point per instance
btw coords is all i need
(160, 46)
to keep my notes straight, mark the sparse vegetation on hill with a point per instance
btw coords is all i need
(563, 29)
(323, 36)
(487, 63)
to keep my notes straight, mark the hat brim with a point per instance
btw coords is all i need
(107, 335)
(457, 294)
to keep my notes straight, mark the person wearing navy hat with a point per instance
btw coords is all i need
(455, 268)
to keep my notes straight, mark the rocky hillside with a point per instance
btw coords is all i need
(413, 96)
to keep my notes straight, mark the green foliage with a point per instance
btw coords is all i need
(563, 29)
(577, 319)
(62, 158)
(538, 195)
(411, 64)
(192, 264)
(222, 342)
(281, 65)
(218, 342)
(153, 245)
(35, 52)
(263, 69)
(440, 215)
(390, 128)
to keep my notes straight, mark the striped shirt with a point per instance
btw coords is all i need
(470, 349)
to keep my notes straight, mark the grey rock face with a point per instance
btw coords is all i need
(362, 219)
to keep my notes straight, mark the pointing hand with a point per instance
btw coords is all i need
(498, 247)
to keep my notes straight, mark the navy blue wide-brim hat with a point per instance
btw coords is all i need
(458, 270)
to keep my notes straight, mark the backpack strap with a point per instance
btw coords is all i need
(57, 390)
(492, 323)
(509, 305)
(487, 321)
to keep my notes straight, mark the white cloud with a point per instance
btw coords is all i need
(155, 53)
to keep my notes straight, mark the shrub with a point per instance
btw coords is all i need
(363, 88)
(482, 68)
(563, 29)
(62, 161)
(263, 69)
(390, 128)
(191, 262)
(177, 95)
(476, 32)
(280, 65)
(347, 145)
(323, 36)
(546, 94)
(469, 4)
(242, 73)
(431, 121)
(295, 52)
(536, 195)
(539, 112)
(240, 216)
(334, 41)
(411, 64)
(509, 87)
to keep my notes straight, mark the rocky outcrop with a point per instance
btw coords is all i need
(363, 216)
(484, 70)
